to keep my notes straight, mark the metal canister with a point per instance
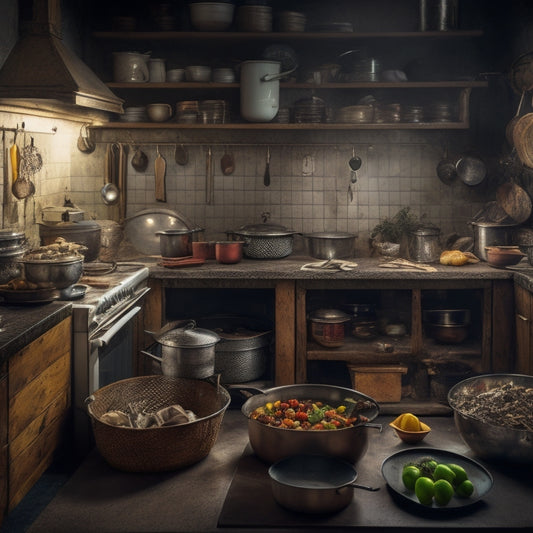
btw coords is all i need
(424, 245)
(447, 15)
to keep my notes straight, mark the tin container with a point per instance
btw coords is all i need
(424, 245)
(327, 327)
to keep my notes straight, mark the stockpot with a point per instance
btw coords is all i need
(176, 242)
(271, 444)
(186, 351)
(265, 241)
(491, 234)
(331, 245)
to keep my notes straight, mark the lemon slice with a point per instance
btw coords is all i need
(408, 422)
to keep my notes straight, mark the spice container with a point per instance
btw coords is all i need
(327, 327)
(424, 245)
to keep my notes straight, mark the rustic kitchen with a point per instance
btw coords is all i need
(266, 265)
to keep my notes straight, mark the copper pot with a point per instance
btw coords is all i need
(228, 252)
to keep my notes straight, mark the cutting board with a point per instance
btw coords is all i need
(160, 170)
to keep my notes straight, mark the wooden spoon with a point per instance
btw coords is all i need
(227, 163)
(160, 168)
(181, 155)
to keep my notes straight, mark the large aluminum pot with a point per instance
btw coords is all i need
(271, 444)
(485, 438)
(331, 244)
(265, 241)
(175, 242)
(491, 234)
(186, 351)
(57, 274)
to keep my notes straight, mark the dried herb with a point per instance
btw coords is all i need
(392, 229)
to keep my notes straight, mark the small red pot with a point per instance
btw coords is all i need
(203, 250)
(228, 251)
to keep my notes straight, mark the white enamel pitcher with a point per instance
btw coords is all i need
(260, 89)
(130, 67)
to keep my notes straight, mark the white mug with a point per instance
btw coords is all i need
(156, 67)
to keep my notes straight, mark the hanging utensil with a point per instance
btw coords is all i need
(21, 187)
(85, 143)
(227, 163)
(109, 191)
(446, 170)
(14, 155)
(355, 164)
(122, 169)
(512, 123)
(515, 201)
(266, 177)
(160, 170)
(181, 155)
(139, 161)
(209, 185)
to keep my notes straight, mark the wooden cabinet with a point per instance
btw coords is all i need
(488, 302)
(524, 331)
(35, 404)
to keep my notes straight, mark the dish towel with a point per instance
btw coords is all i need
(334, 265)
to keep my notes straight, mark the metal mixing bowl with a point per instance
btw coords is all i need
(58, 274)
(488, 440)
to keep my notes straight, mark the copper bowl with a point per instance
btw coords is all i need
(502, 256)
(229, 252)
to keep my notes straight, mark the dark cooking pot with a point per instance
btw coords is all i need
(265, 241)
(175, 242)
(314, 483)
(272, 444)
(491, 234)
(84, 232)
(186, 351)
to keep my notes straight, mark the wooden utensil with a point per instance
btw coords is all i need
(227, 163)
(515, 201)
(160, 170)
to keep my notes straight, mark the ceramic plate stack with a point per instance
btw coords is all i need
(368, 69)
(333, 27)
(254, 18)
(440, 112)
(283, 116)
(187, 112)
(309, 110)
(213, 112)
(223, 75)
(290, 21)
(388, 113)
(134, 114)
(355, 114)
(412, 113)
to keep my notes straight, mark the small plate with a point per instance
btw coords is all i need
(28, 296)
(392, 467)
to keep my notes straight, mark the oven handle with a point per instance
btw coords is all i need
(114, 329)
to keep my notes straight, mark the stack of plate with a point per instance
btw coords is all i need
(290, 21)
(187, 112)
(254, 18)
(309, 110)
(134, 114)
(367, 69)
(223, 75)
(355, 114)
(440, 112)
(213, 112)
(412, 113)
(388, 113)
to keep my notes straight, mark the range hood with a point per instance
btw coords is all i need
(41, 69)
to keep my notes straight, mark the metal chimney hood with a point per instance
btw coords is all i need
(41, 69)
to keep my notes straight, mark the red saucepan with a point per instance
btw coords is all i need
(314, 483)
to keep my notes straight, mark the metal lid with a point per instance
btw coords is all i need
(329, 316)
(264, 230)
(426, 230)
(331, 235)
(189, 336)
(8, 234)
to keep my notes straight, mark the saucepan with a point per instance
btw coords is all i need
(272, 444)
(314, 483)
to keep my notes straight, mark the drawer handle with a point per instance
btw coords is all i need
(522, 317)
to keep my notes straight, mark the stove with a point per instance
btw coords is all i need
(104, 332)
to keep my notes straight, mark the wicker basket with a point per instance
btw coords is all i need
(164, 448)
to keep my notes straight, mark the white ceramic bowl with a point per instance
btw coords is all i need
(198, 73)
(211, 16)
(175, 74)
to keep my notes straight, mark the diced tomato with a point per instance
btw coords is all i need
(336, 423)
(318, 426)
(283, 406)
(288, 422)
(302, 416)
(293, 403)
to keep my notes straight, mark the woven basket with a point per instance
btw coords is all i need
(164, 448)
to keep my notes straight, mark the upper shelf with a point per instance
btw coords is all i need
(286, 36)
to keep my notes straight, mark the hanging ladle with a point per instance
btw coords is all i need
(110, 192)
(355, 164)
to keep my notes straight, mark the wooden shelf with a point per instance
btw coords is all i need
(191, 36)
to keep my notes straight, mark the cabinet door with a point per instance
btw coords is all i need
(3, 441)
(524, 331)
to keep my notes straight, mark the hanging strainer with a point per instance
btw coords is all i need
(31, 160)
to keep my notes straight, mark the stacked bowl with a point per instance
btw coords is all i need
(12, 248)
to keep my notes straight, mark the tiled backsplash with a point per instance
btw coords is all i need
(308, 190)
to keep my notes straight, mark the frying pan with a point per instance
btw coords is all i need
(471, 169)
(314, 483)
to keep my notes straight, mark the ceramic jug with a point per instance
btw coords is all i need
(130, 67)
